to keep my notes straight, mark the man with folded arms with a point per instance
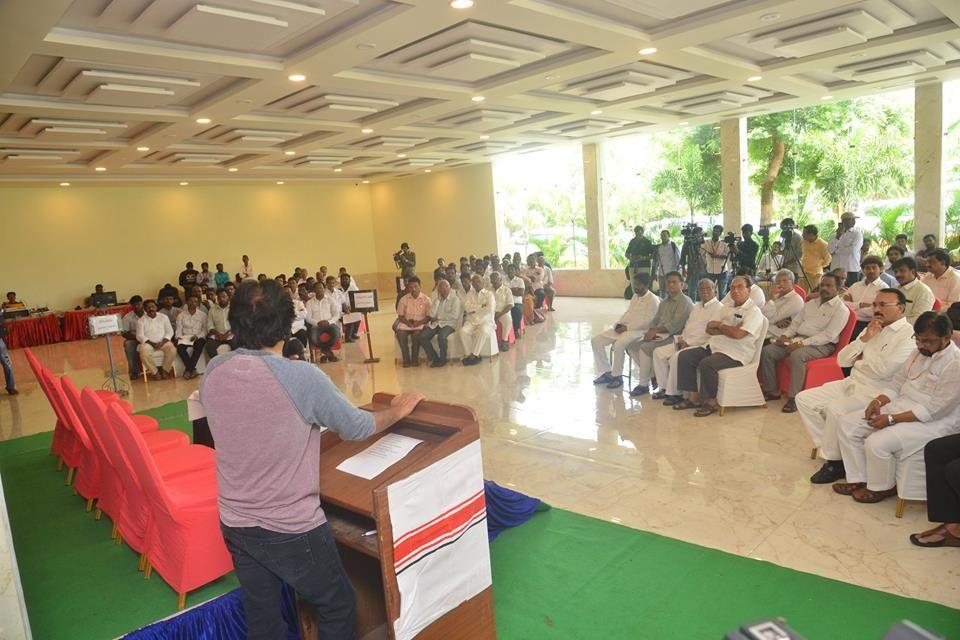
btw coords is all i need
(733, 332)
(694, 335)
(812, 334)
(942, 279)
(478, 326)
(875, 356)
(413, 310)
(919, 297)
(190, 332)
(783, 305)
(535, 274)
(631, 326)
(503, 304)
(922, 403)
(446, 313)
(154, 333)
(323, 312)
(669, 321)
(861, 294)
(218, 324)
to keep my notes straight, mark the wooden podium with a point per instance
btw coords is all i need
(355, 506)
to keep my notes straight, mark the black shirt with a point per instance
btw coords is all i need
(640, 251)
(748, 252)
(188, 277)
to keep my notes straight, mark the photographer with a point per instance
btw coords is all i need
(640, 253)
(691, 256)
(406, 261)
(715, 251)
(747, 249)
(792, 245)
(666, 259)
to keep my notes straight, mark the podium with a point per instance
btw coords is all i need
(359, 514)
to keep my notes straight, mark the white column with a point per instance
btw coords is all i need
(734, 172)
(596, 230)
(928, 161)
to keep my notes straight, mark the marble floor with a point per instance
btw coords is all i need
(737, 483)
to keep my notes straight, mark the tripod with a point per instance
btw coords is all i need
(793, 254)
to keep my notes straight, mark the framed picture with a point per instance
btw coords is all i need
(364, 301)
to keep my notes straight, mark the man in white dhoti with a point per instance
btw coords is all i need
(876, 356)
(923, 404)
(631, 326)
(502, 304)
(478, 325)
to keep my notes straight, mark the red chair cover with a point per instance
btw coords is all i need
(56, 444)
(33, 331)
(87, 481)
(76, 324)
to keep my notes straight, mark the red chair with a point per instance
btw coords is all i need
(800, 291)
(183, 541)
(821, 370)
(937, 304)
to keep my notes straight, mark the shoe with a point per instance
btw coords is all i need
(790, 406)
(406, 365)
(867, 496)
(847, 488)
(162, 374)
(640, 390)
(669, 401)
(332, 358)
(603, 378)
(769, 395)
(152, 377)
(659, 395)
(466, 360)
(830, 472)
(436, 363)
(615, 383)
(12, 392)
(473, 360)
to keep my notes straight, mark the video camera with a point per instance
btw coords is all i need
(692, 233)
(764, 230)
(731, 240)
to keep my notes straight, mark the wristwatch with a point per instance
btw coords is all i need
(890, 420)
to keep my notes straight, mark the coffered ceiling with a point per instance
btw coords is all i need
(202, 89)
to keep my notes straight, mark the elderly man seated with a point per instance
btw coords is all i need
(154, 333)
(323, 312)
(413, 311)
(861, 294)
(189, 335)
(631, 326)
(942, 279)
(549, 292)
(812, 334)
(694, 335)
(517, 288)
(669, 321)
(446, 313)
(783, 305)
(218, 324)
(875, 356)
(503, 305)
(733, 332)
(756, 292)
(919, 297)
(922, 403)
(478, 326)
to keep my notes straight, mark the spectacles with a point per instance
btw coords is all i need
(880, 305)
(929, 341)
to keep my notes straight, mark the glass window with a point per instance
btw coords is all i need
(540, 205)
(951, 162)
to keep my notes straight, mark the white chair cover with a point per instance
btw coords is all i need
(912, 477)
(739, 387)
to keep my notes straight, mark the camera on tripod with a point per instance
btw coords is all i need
(764, 230)
(692, 233)
(731, 240)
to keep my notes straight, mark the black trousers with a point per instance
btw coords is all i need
(409, 345)
(516, 313)
(190, 360)
(293, 347)
(852, 277)
(539, 296)
(700, 360)
(213, 344)
(426, 341)
(942, 459)
(308, 562)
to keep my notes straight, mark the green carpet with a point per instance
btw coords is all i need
(561, 575)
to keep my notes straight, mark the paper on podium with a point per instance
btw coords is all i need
(379, 456)
(195, 410)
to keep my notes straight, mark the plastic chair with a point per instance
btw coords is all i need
(911, 480)
(56, 444)
(74, 443)
(800, 291)
(183, 541)
(937, 304)
(739, 386)
(821, 370)
(158, 363)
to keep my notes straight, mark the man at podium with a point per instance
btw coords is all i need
(265, 414)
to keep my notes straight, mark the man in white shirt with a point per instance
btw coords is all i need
(206, 277)
(859, 297)
(478, 326)
(669, 321)
(548, 291)
(844, 247)
(715, 252)
(756, 293)
(189, 335)
(666, 259)
(466, 286)
(517, 288)
(218, 324)
(694, 335)
(733, 335)
(339, 296)
(875, 356)
(323, 313)
(503, 303)
(631, 326)
(919, 297)
(942, 279)
(535, 275)
(154, 333)
(297, 344)
(351, 319)
(129, 333)
(922, 403)
(446, 314)
(812, 334)
(246, 269)
(783, 305)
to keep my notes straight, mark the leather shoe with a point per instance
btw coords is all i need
(640, 390)
(659, 395)
(847, 488)
(615, 383)
(669, 401)
(603, 378)
(830, 472)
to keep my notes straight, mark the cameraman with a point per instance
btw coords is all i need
(747, 249)
(691, 257)
(792, 245)
(406, 261)
(715, 251)
(640, 253)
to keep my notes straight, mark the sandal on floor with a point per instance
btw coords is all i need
(947, 539)
(847, 488)
(705, 410)
(790, 406)
(866, 496)
(685, 404)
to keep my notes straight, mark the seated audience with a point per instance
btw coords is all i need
(439, 272)
(756, 292)
(230, 288)
(942, 459)
(323, 313)
(929, 246)
(206, 277)
(167, 309)
(812, 334)
(921, 403)
(919, 297)
(631, 326)
(246, 269)
(859, 297)
(169, 290)
(218, 324)
(502, 306)
(733, 332)
(413, 311)
(351, 319)
(875, 357)
(784, 303)
(531, 312)
(942, 279)
(669, 321)
(465, 286)
(128, 325)
(12, 302)
(221, 277)
(191, 327)
(478, 326)
(894, 253)
(188, 278)
(548, 291)
(535, 274)
(298, 329)
(517, 288)
(903, 243)
(694, 335)
(446, 313)
(154, 333)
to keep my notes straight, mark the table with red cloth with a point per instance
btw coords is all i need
(76, 324)
(32, 331)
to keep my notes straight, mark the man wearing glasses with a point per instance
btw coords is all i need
(922, 402)
(875, 357)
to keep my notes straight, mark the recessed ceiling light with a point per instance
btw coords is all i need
(296, 77)
(401, 155)
(484, 137)
(596, 112)
(826, 97)
(366, 130)
(64, 184)
(338, 170)
(461, 4)
(366, 182)
(279, 181)
(232, 169)
(684, 123)
(366, 45)
(551, 77)
(478, 98)
(143, 148)
(203, 120)
(769, 17)
(290, 153)
(754, 78)
(183, 184)
(100, 169)
(426, 170)
(857, 56)
(647, 51)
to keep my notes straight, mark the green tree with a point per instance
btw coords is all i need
(692, 169)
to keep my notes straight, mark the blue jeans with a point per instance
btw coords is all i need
(309, 562)
(133, 358)
(7, 366)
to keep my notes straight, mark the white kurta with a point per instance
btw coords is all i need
(478, 332)
(694, 334)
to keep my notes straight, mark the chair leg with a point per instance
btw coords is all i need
(147, 570)
(74, 489)
(89, 505)
(114, 531)
(59, 463)
(722, 409)
(901, 503)
(142, 564)
(181, 600)
(70, 471)
(96, 516)
(813, 453)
